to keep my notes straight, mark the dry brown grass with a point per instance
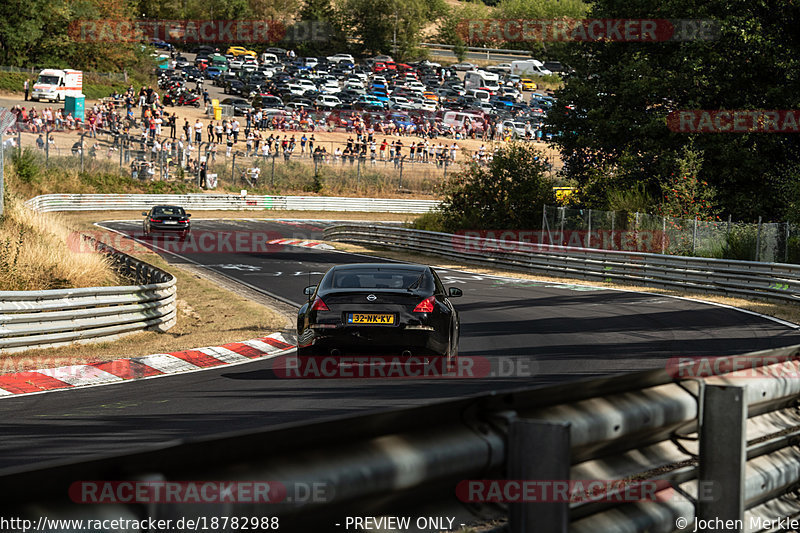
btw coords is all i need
(207, 316)
(40, 251)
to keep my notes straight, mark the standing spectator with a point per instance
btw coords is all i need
(311, 143)
(187, 131)
(26, 86)
(235, 131)
(210, 130)
(218, 130)
(40, 142)
(172, 120)
(198, 131)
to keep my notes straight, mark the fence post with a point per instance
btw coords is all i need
(47, 148)
(663, 235)
(19, 143)
(723, 455)
(694, 235)
(613, 220)
(758, 240)
(401, 175)
(82, 135)
(546, 225)
(233, 168)
(563, 216)
(786, 243)
(528, 442)
(272, 179)
(589, 232)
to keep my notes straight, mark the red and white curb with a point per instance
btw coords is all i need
(160, 364)
(304, 244)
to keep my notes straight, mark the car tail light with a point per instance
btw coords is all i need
(319, 305)
(155, 220)
(184, 221)
(426, 305)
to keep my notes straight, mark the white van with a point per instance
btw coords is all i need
(529, 67)
(458, 118)
(55, 85)
(480, 94)
(266, 57)
(480, 78)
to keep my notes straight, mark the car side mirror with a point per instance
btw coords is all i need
(308, 291)
(455, 292)
(144, 213)
(188, 214)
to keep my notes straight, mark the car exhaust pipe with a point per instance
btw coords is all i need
(336, 352)
(406, 353)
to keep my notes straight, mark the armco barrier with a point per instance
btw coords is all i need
(721, 447)
(769, 281)
(35, 319)
(199, 202)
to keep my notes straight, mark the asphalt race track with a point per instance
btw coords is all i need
(539, 333)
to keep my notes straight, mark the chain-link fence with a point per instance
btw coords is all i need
(620, 230)
(211, 165)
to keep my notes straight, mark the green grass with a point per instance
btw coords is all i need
(94, 90)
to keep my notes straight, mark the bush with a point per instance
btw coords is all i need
(430, 221)
(26, 165)
(509, 193)
(741, 243)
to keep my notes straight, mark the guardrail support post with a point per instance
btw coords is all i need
(694, 235)
(538, 451)
(663, 235)
(723, 454)
(758, 241)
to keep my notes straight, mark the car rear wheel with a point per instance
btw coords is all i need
(452, 353)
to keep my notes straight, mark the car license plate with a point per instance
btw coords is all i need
(371, 318)
(170, 222)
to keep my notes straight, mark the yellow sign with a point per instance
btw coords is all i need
(563, 193)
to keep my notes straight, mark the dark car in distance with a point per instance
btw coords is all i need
(166, 218)
(379, 309)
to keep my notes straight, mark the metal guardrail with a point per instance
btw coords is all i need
(721, 447)
(108, 202)
(770, 281)
(37, 319)
(521, 53)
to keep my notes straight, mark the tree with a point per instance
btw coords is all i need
(507, 194)
(622, 93)
(390, 26)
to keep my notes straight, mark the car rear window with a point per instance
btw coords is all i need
(168, 211)
(383, 279)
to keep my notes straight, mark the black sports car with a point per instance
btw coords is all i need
(166, 218)
(376, 309)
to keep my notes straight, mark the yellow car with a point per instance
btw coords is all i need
(528, 84)
(241, 51)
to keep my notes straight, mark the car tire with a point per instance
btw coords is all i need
(452, 354)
